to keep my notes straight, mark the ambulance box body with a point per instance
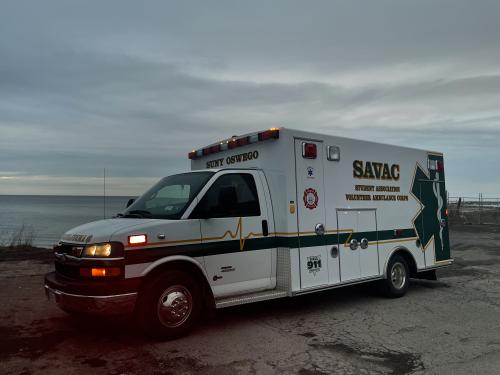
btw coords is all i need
(260, 216)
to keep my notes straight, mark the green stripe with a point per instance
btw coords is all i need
(233, 246)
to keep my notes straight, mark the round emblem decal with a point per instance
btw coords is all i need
(310, 198)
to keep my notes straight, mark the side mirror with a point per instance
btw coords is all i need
(130, 201)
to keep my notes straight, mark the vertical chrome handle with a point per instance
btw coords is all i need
(353, 244)
(364, 243)
(319, 229)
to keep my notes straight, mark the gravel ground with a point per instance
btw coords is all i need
(449, 326)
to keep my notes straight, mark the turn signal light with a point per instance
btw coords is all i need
(100, 272)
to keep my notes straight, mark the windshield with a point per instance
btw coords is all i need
(170, 197)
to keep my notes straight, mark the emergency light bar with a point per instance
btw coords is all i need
(273, 133)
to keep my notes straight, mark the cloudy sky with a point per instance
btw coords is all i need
(132, 86)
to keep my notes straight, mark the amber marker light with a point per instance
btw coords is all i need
(137, 239)
(100, 272)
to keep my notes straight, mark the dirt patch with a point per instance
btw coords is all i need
(94, 362)
(31, 347)
(462, 267)
(308, 334)
(428, 284)
(305, 371)
(39, 254)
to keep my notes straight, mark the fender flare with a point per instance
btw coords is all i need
(399, 249)
(209, 300)
(173, 258)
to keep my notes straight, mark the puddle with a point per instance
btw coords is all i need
(379, 361)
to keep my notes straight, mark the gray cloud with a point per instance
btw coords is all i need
(134, 86)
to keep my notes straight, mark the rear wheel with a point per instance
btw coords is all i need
(170, 305)
(397, 280)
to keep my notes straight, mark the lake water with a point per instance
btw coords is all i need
(48, 217)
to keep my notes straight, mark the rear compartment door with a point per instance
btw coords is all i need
(311, 213)
(358, 253)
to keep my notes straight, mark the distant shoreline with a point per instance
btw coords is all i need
(66, 195)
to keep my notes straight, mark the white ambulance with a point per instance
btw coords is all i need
(266, 215)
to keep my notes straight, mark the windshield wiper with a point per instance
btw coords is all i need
(138, 213)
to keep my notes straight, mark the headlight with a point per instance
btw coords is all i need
(97, 250)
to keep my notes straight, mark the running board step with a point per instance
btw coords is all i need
(249, 298)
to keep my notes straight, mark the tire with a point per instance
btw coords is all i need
(170, 305)
(397, 279)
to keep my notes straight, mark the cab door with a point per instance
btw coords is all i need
(234, 227)
(311, 213)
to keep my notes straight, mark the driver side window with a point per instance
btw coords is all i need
(231, 195)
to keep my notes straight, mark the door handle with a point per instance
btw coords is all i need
(319, 229)
(265, 228)
(353, 244)
(364, 243)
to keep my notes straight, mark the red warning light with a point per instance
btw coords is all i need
(309, 150)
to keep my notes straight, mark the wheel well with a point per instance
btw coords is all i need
(190, 269)
(412, 265)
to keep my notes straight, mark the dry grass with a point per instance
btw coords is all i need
(22, 238)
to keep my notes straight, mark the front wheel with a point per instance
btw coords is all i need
(170, 306)
(397, 280)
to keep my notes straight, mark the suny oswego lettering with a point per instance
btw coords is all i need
(239, 158)
(375, 170)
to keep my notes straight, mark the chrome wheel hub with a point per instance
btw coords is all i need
(174, 306)
(398, 275)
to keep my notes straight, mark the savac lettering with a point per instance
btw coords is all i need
(375, 170)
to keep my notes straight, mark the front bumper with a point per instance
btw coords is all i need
(95, 299)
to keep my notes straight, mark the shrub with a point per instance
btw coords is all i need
(21, 238)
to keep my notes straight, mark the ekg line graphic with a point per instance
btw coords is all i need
(233, 235)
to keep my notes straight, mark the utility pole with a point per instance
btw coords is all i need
(480, 208)
(104, 195)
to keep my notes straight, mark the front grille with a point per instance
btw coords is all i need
(69, 249)
(72, 272)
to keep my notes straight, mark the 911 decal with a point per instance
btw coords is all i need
(314, 264)
(310, 198)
